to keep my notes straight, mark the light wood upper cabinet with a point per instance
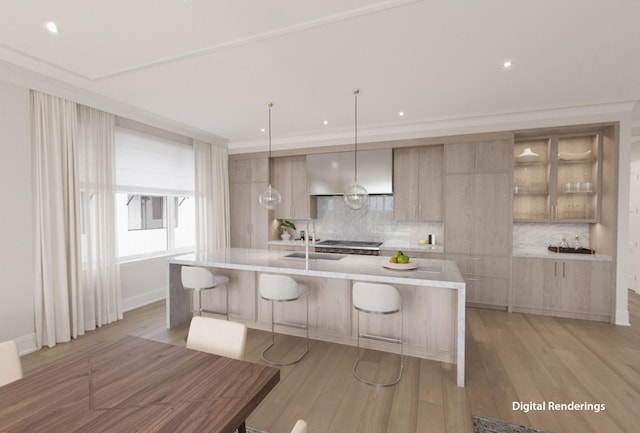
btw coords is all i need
(249, 222)
(558, 178)
(572, 288)
(478, 156)
(289, 176)
(418, 179)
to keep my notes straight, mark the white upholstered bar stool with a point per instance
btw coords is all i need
(375, 298)
(282, 288)
(199, 279)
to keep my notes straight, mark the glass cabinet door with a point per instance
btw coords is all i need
(531, 180)
(556, 178)
(577, 178)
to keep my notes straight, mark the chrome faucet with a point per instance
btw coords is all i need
(306, 238)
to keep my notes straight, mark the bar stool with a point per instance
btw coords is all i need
(199, 279)
(281, 288)
(377, 299)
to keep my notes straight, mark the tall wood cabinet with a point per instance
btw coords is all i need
(478, 229)
(249, 221)
(418, 183)
(289, 176)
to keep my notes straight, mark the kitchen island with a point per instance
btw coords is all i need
(433, 298)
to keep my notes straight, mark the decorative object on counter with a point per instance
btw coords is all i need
(422, 242)
(576, 243)
(570, 250)
(563, 243)
(527, 155)
(431, 239)
(284, 229)
(271, 198)
(399, 261)
(355, 196)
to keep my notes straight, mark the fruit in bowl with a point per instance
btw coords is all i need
(399, 257)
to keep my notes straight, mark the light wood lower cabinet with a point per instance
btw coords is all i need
(580, 289)
(487, 279)
(429, 320)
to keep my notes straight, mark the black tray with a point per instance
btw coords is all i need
(571, 250)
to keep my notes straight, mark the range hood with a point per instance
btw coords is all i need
(332, 173)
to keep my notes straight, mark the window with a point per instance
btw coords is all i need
(154, 200)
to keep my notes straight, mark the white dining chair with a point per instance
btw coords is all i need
(10, 366)
(199, 279)
(216, 336)
(300, 427)
(282, 288)
(373, 298)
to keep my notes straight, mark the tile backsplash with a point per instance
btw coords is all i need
(375, 223)
(372, 223)
(535, 236)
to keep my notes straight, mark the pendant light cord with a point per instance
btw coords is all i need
(269, 104)
(355, 178)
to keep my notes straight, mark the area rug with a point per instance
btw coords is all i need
(253, 430)
(490, 425)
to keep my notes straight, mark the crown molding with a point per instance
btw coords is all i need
(538, 118)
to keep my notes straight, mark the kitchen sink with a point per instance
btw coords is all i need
(316, 256)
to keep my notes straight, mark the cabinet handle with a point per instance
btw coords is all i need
(473, 258)
(555, 269)
(419, 210)
(563, 263)
(473, 279)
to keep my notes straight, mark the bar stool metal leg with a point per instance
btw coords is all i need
(263, 355)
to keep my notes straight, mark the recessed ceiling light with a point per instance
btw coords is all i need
(262, 129)
(52, 27)
(326, 122)
(507, 64)
(401, 113)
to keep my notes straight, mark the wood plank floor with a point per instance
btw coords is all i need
(510, 357)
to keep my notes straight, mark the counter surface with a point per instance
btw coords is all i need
(433, 273)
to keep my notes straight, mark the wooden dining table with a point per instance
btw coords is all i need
(136, 385)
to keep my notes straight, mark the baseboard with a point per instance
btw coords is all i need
(143, 299)
(26, 344)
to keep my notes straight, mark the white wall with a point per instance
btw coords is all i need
(16, 241)
(142, 282)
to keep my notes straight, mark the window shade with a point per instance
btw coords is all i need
(154, 165)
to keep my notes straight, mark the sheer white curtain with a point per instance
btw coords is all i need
(77, 284)
(212, 196)
(100, 269)
(57, 216)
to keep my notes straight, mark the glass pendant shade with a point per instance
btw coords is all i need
(356, 196)
(270, 198)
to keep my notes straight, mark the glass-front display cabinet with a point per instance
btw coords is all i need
(557, 178)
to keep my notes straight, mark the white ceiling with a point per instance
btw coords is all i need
(213, 65)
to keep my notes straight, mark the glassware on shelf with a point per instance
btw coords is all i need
(564, 243)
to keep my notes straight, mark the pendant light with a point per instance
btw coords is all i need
(356, 196)
(270, 198)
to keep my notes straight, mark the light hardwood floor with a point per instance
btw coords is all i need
(510, 357)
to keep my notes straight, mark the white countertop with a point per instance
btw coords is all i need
(433, 273)
(546, 254)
